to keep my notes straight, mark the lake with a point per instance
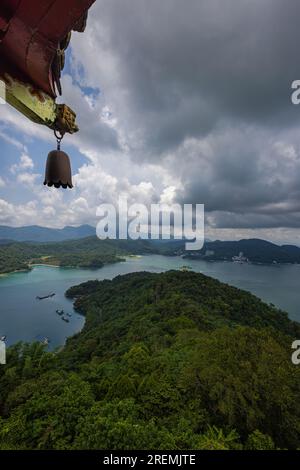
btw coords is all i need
(23, 317)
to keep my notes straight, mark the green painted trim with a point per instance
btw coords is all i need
(38, 106)
(34, 104)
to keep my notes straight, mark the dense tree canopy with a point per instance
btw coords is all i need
(165, 361)
(87, 252)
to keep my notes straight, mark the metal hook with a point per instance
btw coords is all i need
(59, 137)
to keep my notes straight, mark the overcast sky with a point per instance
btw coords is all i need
(177, 101)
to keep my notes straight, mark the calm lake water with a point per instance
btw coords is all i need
(23, 317)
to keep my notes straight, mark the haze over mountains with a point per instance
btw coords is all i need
(35, 233)
(258, 251)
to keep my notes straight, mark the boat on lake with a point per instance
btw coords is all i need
(65, 319)
(60, 312)
(45, 296)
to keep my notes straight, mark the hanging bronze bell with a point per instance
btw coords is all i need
(58, 169)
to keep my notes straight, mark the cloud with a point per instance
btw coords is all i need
(12, 119)
(183, 101)
(177, 71)
(27, 179)
(16, 214)
(95, 132)
(10, 140)
(25, 163)
(203, 92)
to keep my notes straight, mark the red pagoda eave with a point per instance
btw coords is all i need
(33, 36)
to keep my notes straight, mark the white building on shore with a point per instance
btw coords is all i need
(240, 258)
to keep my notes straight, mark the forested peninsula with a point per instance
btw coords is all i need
(165, 361)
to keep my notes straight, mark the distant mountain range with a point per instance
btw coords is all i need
(34, 233)
(256, 250)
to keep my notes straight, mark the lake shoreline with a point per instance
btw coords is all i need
(45, 265)
(139, 257)
(16, 271)
(18, 293)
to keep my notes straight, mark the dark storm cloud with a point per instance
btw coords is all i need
(204, 87)
(188, 65)
(249, 220)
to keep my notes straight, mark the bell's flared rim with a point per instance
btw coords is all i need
(59, 184)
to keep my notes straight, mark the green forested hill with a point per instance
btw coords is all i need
(87, 252)
(256, 250)
(91, 252)
(165, 361)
